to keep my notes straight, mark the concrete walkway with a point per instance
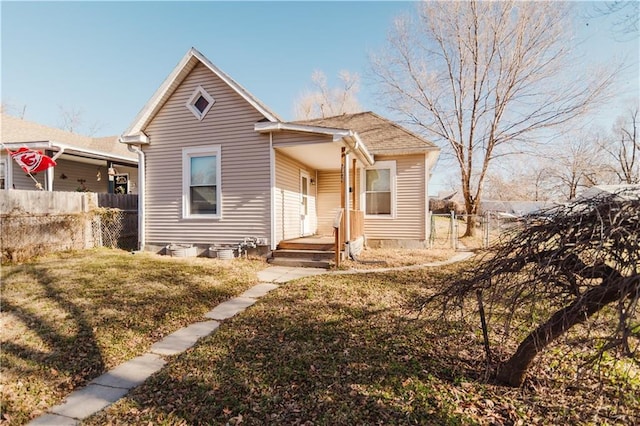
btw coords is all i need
(115, 384)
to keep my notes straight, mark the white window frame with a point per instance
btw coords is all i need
(187, 154)
(391, 166)
(191, 103)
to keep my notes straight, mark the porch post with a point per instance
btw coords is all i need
(354, 193)
(48, 174)
(112, 186)
(347, 201)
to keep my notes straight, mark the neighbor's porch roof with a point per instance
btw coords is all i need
(74, 153)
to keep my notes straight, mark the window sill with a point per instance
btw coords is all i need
(380, 216)
(202, 216)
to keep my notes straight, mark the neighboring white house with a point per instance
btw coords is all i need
(216, 165)
(83, 163)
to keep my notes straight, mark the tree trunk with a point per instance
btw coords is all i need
(513, 371)
(471, 228)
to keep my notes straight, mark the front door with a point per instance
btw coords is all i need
(305, 222)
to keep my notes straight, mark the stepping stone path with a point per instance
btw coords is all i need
(115, 384)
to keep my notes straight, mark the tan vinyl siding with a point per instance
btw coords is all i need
(287, 198)
(328, 200)
(74, 171)
(245, 166)
(20, 180)
(79, 171)
(409, 223)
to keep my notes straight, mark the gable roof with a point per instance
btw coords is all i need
(171, 83)
(381, 136)
(17, 132)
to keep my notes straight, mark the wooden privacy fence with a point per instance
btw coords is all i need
(34, 223)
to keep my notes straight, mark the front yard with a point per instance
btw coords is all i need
(328, 349)
(68, 318)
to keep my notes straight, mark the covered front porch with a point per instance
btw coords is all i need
(316, 190)
(78, 169)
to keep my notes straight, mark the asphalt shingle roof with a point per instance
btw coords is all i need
(381, 136)
(14, 129)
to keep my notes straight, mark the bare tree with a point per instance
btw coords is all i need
(566, 266)
(73, 121)
(522, 178)
(625, 14)
(324, 101)
(10, 109)
(624, 148)
(578, 163)
(485, 77)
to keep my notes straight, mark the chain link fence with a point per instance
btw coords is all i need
(447, 229)
(23, 236)
(116, 228)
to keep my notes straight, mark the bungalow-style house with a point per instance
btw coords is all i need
(216, 166)
(83, 163)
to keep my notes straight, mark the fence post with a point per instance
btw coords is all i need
(487, 221)
(452, 229)
(431, 228)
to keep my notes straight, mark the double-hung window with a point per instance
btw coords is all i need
(379, 189)
(201, 180)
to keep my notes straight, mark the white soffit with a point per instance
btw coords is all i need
(321, 156)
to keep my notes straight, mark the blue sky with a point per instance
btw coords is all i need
(107, 58)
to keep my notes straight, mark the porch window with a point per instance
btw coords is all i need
(380, 189)
(200, 102)
(201, 182)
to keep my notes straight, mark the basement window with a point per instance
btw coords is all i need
(200, 102)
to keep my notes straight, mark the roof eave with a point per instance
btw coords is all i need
(266, 127)
(66, 148)
(137, 139)
(406, 151)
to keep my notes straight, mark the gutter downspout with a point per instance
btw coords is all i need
(141, 194)
(59, 153)
(272, 190)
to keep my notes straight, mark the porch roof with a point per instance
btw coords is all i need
(326, 156)
(381, 136)
(17, 133)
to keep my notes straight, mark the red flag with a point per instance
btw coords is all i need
(32, 161)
